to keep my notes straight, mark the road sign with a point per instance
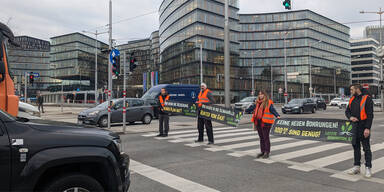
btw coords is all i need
(366, 86)
(285, 94)
(36, 74)
(112, 54)
(280, 90)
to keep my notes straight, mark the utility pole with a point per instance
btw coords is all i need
(25, 87)
(310, 66)
(380, 13)
(62, 96)
(253, 76)
(227, 64)
(201, 63)
(285, 69)
(110, 65)
(271, 81)
(124, 92)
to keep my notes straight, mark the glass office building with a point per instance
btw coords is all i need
(32, 55)
(374, 32)
(312, 41)
(185, 25)
(365, 64)
(73, 61)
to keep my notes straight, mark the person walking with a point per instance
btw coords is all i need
(205, 97)
(263, 118)
(360, 112)
(40, 101)
(163, 116)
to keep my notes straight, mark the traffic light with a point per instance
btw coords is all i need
(132, 63)
(116, 65)
(287, 4)
(31, 78)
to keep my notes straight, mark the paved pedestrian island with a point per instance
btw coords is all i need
(334, 159)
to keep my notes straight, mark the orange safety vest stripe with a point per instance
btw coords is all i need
(268, 117)
(203, 97)
(162, 102)
(363, 113)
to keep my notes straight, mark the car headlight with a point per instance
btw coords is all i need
(296, 107)
(282, 107)
(118, 145)
(92, 114)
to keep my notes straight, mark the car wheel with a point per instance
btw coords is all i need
(313, 110)
(284, 112)
(131, 122)
(103, 122)
(75, 182)
(325, 107)
(147, 119)
(301, 111)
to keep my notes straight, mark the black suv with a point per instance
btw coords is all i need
(320, 103)
(38, 157)
(299, 106)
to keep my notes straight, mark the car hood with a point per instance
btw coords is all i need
(243, 103)
(291, 105)
(90, 110)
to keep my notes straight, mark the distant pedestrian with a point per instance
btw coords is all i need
(40, 101)
(163, 115)
(360, 112)
(263, 118)
(206, 98)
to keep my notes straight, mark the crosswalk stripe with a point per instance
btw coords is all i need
(227, 140)
(168, 179)
(332, 159)
(229, 130)
(182, 132)
(303, 152)
(253, 152)
(179, 140)
(247, 144)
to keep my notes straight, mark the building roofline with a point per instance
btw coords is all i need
(302, 10)
(77, 33)
(33, 38)
(364, 39)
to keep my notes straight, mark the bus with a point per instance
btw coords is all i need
(9, 102)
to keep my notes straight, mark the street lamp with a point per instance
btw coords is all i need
(96, 49)
(380, 13)
(252, 72)
(285, 67)
(310, 66)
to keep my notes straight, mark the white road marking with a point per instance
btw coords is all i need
(215, 136)
(168, 179)
(231, 130)
(247, 144)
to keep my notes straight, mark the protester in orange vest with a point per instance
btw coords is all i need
(206, 98)
(263, 117)
(163, 116)
(360, 112)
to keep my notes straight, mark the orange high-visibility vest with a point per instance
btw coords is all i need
(162, 101)
(203, 97)
(268, 117)
(363, 114)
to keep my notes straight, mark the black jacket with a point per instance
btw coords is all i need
(159, 104)
(354, 111)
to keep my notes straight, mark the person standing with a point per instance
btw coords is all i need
(263, 118)
(205, 97)
(360, 112)
(40, 101)
(163, 116)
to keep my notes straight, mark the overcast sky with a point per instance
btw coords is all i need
(138, 18)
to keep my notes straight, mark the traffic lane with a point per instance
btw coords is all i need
(225, 173)
(140, 183)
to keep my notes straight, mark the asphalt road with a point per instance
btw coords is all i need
(176, 163)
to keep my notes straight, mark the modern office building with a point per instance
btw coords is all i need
(185, 25)
(73, 58)
(146, 52)
(374, 32)
(312, 42)
(365, 64)
(31, 56)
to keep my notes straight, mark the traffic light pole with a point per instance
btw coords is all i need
(110, 65)
(124, 92)
(227, 61)
(25, 87)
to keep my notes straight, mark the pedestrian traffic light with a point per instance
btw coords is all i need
(132, 63)
(31, 78)
(287, 4)
(116, 65)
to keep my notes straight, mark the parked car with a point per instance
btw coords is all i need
(343, 103)
(137, 110)
(299, 106)
(28, 111)
(320, 103)
(50, 157)
(180, 93)
(377, 102)
(335, 101)
(245, 103)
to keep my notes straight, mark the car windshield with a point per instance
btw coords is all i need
(6, 116)
(248, 99)
(296, 101)
(150, 94)
(336, 99)
(105, 104)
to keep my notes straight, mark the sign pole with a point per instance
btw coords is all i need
(124, 94)
(25, 88)
(110, 65)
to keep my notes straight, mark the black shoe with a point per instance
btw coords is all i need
(198, 141)
(211, 143)
(165, 135)
(266, 156)
(159, 135)
(259, 155)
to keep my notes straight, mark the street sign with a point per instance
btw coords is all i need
(112, 54)
(280, 90)
(285, 94)
(36, 74)
(293, 74)
(380, 52)
(366, 86)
